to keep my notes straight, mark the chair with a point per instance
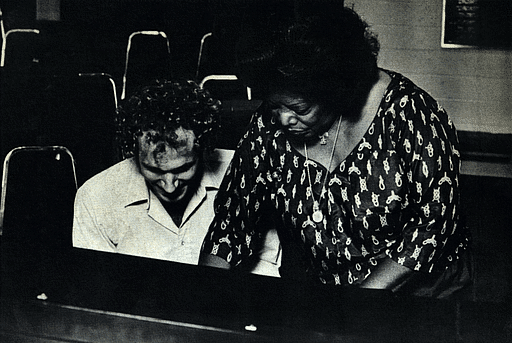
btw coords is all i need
(148, 56)
(226, 87)
(200, 57)
(19, 48)
(36, 218)
(21, 86)
(2, 28)
(216, 55)
(80, 116)
(238, 106)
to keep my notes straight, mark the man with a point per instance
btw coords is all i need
(158, 201)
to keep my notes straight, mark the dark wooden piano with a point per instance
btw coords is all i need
(90, 296)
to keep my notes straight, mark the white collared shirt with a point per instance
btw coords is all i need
(115, 211)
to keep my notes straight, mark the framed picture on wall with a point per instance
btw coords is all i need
(477, 24)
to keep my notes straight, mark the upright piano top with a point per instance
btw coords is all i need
(127, 298)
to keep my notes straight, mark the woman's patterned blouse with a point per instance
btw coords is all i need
(396, 194)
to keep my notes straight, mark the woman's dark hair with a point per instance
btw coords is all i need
(163, 107)
(328, 58)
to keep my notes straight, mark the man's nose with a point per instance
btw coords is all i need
(169, 182)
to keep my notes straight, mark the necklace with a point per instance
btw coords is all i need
(318, 216)
(323, 138)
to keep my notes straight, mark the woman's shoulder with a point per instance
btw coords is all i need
(408, 106)
(263, 138)
(402, 89)
(404, 97)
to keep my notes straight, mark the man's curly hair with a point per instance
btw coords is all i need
(163, 107)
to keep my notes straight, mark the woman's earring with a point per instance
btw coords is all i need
(273, 120)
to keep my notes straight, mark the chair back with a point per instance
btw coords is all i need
(226, 87)
(36, 215)
(216, 55)
(2, 28)
(148, 57)
(238, 106)
(80, 116)
(19, 48)
(21, 89)
(202, 46)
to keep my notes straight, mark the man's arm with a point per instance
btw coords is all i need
(86, 231)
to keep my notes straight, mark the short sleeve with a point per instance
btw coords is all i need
(87, 232)
(234, 234)
(428, 144)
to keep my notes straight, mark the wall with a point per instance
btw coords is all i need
(473, 85)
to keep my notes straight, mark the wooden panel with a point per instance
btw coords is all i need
(478, 116)
(399, 12)
(469, 88)
(54, 323)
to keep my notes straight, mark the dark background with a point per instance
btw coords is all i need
(44, 102)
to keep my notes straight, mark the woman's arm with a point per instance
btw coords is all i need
(234, 234)
(213, 261)
(387, 275)
(428, 148)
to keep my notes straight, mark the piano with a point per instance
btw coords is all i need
(80, 295)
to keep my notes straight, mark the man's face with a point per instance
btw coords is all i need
(169, 171)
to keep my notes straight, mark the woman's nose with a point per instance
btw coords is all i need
(287, 117)
(169, 183)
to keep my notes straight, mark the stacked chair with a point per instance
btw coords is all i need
(79, 115)
(36, 214)
(216, 74)
(148, 57)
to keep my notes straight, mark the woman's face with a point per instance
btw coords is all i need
(299, 117)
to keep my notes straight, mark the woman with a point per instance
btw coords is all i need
(359, 163)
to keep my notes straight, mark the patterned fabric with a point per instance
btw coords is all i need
(395, 194)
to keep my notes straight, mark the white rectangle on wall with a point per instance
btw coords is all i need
(48, 10)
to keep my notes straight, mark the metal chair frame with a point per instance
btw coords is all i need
(110, 79)
(5, 173)
(199, 58)
(133, 34)
(223, 78)
(4, 40)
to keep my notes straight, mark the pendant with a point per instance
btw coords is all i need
(318, 216)
(323, 138)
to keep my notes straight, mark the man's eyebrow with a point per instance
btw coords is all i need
(177, 170)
